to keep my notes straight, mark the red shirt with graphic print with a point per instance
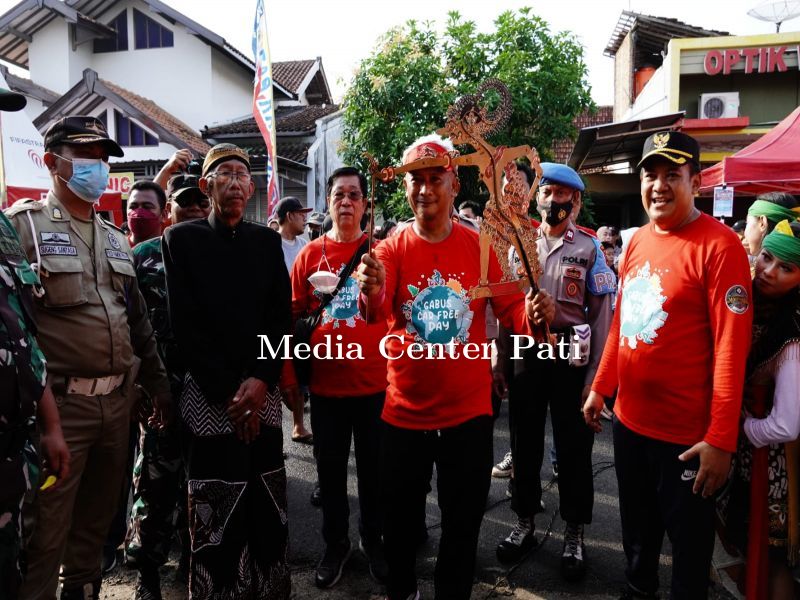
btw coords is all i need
(337, 377)
(681, 334)
(426, 302)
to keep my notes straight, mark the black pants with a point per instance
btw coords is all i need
(463, 458)
(555, 383)
(334, 422)
(655, 495)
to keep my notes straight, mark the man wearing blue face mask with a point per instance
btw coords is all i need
(94, 330)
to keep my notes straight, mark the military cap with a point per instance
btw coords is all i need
(675, 146)
(79, 130)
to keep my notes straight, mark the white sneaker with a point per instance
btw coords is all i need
(504, 467)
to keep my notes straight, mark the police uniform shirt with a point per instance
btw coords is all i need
(581, 296)
(92, 319)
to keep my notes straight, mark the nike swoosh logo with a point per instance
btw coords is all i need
(688, 476)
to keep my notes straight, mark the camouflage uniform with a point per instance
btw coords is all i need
(158, 474)
(22, 381)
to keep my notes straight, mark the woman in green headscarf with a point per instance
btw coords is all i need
(763, 499)
(762, 216)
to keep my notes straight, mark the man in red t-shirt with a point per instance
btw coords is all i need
(438, 403)
(676, 353)
(347, 394)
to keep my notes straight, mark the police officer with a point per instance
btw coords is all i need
(94, 330)
(25, 401)
(575, 274)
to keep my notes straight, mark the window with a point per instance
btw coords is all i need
(120, 41)
(103, 116)
(131, 134)
(149, 33)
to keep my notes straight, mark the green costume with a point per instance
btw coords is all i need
(158, 473)
(22, 381)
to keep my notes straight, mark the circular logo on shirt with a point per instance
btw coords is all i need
(572, 289)
(344, 305)
(438, 315)
(112, 239)
(736, 299)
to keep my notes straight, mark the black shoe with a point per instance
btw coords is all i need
(630, 593)
(110, 556)
(518, 542)
(148, 584)
(330, 567)
(88, 591)
(316, 497)
(377, 561)
(573, 557)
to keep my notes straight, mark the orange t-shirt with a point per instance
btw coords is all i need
(426, 301)
(681, 334)
(338, 377)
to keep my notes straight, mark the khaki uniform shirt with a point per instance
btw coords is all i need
(92, 319)
(566, 266)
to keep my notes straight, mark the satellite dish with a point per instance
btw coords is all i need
(776, 11)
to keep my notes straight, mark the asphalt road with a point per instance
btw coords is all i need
(536, 576)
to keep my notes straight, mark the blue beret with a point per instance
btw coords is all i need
(562, 175)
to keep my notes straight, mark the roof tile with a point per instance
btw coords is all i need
(290, 74)
(288, 119)
(562, 149)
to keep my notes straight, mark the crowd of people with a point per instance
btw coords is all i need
(175, 327)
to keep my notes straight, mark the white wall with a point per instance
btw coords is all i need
(49, 57)
(230, 92)
(653, 100)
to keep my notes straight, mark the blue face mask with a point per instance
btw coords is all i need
(89, 178)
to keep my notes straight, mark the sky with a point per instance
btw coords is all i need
(343, 32)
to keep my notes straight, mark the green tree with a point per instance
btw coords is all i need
(403, 89)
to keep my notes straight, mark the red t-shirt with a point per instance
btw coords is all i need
(681, 334)
(335, 376)
(427, 302)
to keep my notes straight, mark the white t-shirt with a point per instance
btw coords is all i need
(291, 248)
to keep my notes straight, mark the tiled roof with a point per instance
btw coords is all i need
(563, 148)
(290, 74)
(150, 109)
(294, 151)
(288, 119)
(25, 86)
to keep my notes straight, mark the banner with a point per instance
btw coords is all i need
(263, 107)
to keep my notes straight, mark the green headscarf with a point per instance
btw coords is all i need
(773, 212)
(782, 243)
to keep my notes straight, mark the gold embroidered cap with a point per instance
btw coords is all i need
(675, 146)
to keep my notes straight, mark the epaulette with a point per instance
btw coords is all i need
(23, 205)
(110, 224)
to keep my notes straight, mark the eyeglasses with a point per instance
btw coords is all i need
(225, 176)
(353, 196)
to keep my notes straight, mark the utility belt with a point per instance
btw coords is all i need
(86, 386)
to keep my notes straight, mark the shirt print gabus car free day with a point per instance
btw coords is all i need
(641, 312)
(344, 306)
(438, 311)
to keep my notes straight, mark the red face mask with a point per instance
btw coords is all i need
(144, 224)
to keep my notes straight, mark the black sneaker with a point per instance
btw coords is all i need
(330, 567)
(518, 542)
(377, 561)
(148, 584)
(573, 563)
(110, 557)
(316, 497)
(504, 467)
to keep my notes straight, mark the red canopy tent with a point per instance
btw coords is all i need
(770, 164)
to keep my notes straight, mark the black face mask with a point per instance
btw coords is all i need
(557, 212)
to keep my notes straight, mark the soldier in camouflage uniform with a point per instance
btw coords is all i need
(159, 475)
(23, 394)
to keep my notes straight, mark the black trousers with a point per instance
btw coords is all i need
(334, 422)
(655, 495)
(553, 383)
(463, 459)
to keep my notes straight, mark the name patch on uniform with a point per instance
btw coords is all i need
(118, 254)
(112, 239)
(49, 250)
(574, 260)
(55, 237)
(736, 299)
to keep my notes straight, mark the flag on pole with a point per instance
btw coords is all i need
(263, 107)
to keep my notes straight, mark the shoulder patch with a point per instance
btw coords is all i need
(737, 300)
(110, 224)
(22, 206)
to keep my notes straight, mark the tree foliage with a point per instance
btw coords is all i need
(403, 89)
